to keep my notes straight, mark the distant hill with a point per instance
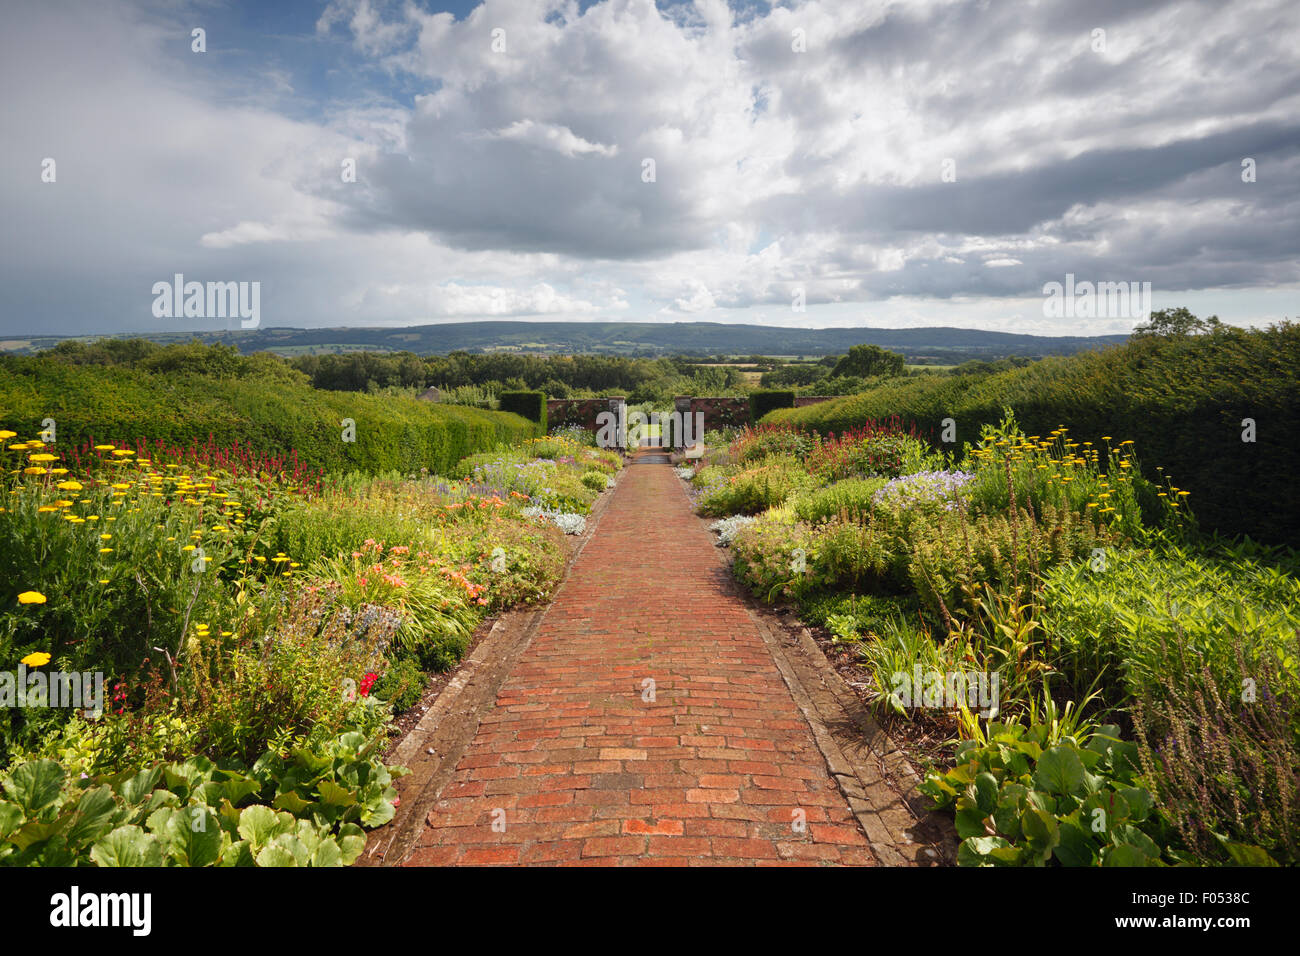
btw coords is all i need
(930, 345)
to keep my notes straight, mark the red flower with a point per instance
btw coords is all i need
(368, 682)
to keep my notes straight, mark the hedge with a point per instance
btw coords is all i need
(1182, 400)
(766, 400)
(531, 405)
(264, 414)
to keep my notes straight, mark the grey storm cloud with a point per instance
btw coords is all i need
(510, 182)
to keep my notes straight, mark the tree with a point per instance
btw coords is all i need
(1178, 321)
(866, 361)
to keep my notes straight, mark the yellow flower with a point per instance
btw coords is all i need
(5, 435)
(123, 452)
(105, 447)
(36, 659)
(43, 456)
(31, 597)
(69, 486)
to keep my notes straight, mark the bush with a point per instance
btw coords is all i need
(263, 413)
(530, 405)
(1112, 621)
(304, 808)
(1055, 791)
(1183, 399)
(755, 444)
(1223, 757)
(401, 684)
(873, 450)
(850, 498)
(765, 400)
(752, 490)
(597, 481)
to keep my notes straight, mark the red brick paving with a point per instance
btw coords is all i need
(573, 767)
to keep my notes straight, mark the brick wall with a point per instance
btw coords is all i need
(575, 411)
(722, 412)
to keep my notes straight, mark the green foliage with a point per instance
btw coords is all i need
(1220, 751)
(188, 402)
(1182, 398)
(595, 480)
(752, 490)
(401, 684)
(1054, 791)
(1113, 619)
(867, 361)
(304, 808)
(850, 498)
(530, 405)
(766, 400)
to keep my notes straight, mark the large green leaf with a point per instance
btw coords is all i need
(94, 816)
(289, 800)
(11, 817)
(127, 846)
(1075, 847)
(970, 818)
(35, 785)
(194, 836)
(334, 795)
(259, 825)
(1041, 830)
(352, 841)
(1059, 771)
(986, 792)
(136, 788)
(975, 850)
(1244, 854)
(276, 854)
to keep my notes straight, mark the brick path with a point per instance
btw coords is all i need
(719, 768)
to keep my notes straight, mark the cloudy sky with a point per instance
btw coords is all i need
(910, 163)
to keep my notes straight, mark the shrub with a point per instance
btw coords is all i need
(755, 444)
(953, 555)
(1053, 791)
(401, 684)
(1112, 620)
(1183, 399)
(765, 400)
(303, 808)
(873, 450)
(595, 480)
(263, 413)
(752, 490)
(530, 405)
(1223, 757)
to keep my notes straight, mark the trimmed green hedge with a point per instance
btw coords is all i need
(766, 400)
(1181, 399)
(531, 405)
(267, 414)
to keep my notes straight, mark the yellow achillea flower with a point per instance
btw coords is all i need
(105, 447)
(31, 597)
(36, 659)
(69, 486)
